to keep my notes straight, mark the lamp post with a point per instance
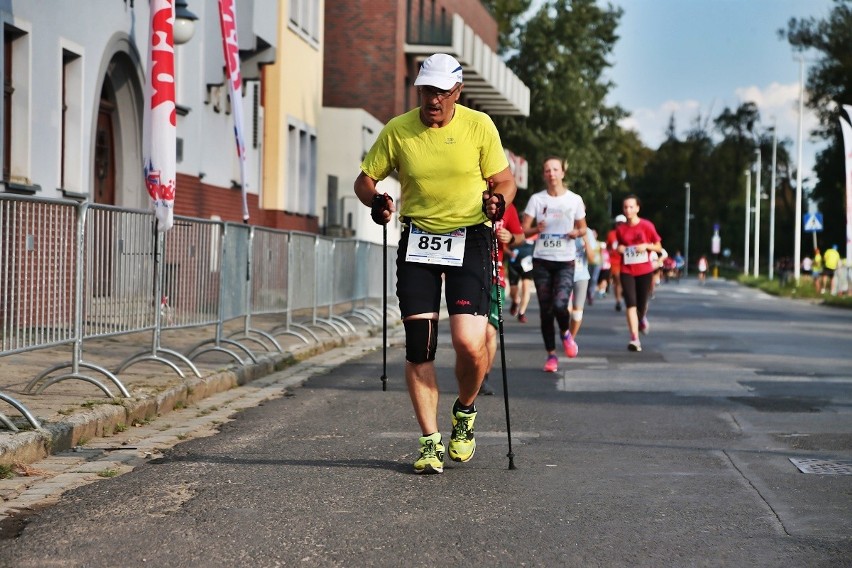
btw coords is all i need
(772, 206)
(184, 26)
(757, 192)
(686, 234)
(797, 243)
(747, 238)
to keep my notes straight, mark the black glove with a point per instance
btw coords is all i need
(501, 205)
(381, 203)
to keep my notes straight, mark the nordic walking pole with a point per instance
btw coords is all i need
(384, 307)
(495, 257)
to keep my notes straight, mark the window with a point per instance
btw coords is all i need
(8, 89)
(16, 84)
(304, 19)
(71, 146)
(301, 169)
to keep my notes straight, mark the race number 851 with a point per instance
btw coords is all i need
(434, 242)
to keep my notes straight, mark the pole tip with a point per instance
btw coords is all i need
(511, 457)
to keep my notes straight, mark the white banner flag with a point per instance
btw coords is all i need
(160, 121)
(846, 127)
(231, 49)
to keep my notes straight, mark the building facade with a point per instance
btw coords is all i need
(320, 79)
(74, 77)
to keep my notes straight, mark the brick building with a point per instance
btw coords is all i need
(373, 49)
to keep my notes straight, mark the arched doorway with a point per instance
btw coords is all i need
(104, 181)
(116, 174)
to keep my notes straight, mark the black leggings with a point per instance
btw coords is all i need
(636, 290)
(554, 282)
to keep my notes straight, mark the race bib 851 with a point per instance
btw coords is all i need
(429, 248)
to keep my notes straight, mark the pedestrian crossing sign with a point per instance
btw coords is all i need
(813, 222)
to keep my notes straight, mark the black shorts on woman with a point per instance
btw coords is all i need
(467, 287)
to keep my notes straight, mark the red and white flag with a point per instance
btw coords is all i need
(846, 127)
(231, 49)
(159, 133)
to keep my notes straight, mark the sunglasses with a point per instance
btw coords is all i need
(432, 92)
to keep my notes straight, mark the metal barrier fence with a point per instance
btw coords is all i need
(74, 272)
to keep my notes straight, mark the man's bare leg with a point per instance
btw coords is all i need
(423, 390)
(469, 341)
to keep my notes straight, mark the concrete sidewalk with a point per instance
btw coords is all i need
(74, 412)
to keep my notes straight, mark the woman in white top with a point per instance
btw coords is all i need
(560, 217)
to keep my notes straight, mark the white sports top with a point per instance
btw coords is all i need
(559, 214)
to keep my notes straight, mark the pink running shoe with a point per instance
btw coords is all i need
(570, 345)
(552, 364)
(644, 326)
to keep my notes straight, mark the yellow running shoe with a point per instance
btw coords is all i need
(431, 458)
(462, 442)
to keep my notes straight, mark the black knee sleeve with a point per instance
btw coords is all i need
(421, 340)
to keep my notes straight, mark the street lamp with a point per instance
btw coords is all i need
(772, 206)
(757, 192)
(747, 238)
(797, 243)
(686, 234)
(184, 27)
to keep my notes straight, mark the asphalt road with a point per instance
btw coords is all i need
(676, 456)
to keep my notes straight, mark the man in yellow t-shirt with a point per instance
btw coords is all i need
(447, 156)
(830, 260)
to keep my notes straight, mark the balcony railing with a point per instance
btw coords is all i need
(428, 24)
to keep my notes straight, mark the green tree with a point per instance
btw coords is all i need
(508, 14)
(562, 57)
(829, 85)
(713, 161)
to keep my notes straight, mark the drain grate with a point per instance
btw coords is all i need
(823, 467)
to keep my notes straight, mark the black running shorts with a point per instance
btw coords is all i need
(467, 287)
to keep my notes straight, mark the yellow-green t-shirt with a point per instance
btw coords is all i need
(442, 171)
(831, 258)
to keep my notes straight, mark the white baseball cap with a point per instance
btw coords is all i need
(620, 219)
(441, 71)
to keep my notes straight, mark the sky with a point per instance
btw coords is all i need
(696, 57)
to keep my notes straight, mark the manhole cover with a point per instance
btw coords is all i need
(823, 467)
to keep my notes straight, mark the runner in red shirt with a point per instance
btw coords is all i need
(636, 239)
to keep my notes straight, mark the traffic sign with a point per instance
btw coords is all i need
(813, 222)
